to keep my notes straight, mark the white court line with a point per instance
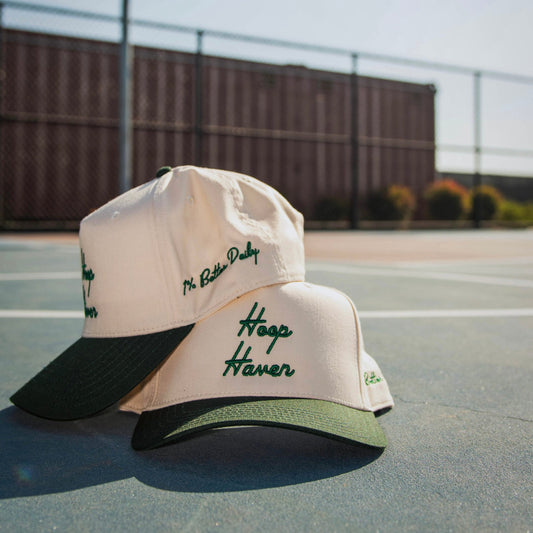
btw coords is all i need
(447, 276)
(449, 313)
(414, 313)
(38, 276)
(518, 261)
(9, 244)
(39, 313)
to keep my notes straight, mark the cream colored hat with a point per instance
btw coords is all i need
(288, 355)
(156, 260)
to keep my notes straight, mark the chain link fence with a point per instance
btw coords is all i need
(315, 134)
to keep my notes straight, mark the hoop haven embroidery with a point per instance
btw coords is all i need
(245, 365)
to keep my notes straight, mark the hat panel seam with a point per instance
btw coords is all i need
(365, 400)
(358, 343)
(238, 202)
(253, 224)
(159, 229)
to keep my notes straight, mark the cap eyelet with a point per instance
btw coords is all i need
(162, 171)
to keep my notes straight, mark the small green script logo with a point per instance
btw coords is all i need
(371, 379)
(87, 275)
(208, 275)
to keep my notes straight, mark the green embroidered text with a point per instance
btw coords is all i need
(273, 331)
(249, 369)
(371, 379)
(233, 253)
(209, 275)
(87, 274)
(245, 365)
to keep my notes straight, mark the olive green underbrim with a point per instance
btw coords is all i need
(95, 373)
(163, 426)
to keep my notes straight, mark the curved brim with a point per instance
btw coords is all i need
(170, 424)
(94, 373)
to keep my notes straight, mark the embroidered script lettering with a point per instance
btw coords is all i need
(250, 369)
(233, 253)
(245, 364)
(87, 274)
(209, 275)
(273, 331)
(371, 379)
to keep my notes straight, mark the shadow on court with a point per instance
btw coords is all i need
(448, 316)
(46, 457)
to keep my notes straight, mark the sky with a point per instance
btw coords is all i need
(486, 35)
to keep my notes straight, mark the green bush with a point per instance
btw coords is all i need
(446, 200)
(394, 202)
(511, 211)
(332, 208)
(515, 212)
(528, 211)
(487, 199)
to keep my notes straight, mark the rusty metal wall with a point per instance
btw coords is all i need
(287, 125)
(290, 126)
(163, 111)
(59, 147)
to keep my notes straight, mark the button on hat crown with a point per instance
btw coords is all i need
(162, 171)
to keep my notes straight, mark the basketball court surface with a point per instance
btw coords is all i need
(447, 315)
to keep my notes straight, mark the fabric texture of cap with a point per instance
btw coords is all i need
(155, 261)
(289, 355)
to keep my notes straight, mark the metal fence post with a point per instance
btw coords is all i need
(477, 147)
(354, 145)
(198, 101)
(125, 130)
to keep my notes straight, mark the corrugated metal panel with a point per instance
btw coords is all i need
(163, 111)
(286, 125)
(59, 106)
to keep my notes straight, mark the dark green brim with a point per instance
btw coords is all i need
(170, 424)
(94, 373)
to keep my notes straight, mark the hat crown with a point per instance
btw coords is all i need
(293, 340)
(174, 250)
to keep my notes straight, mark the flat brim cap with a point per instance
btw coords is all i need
(155, 260)
(289, 355)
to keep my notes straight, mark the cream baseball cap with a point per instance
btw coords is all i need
(155, 261)
(289, 355)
